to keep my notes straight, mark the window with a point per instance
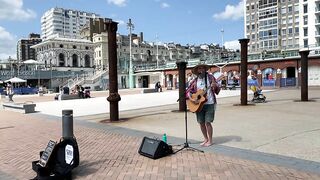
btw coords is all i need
(61, 60)
(305, 43)
(75, 60)
(305, 8)
(305, 32)
(87, 60)
(305, 20)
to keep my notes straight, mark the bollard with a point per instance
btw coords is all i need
(67, 124)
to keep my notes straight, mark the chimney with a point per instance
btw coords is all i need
(141, 37)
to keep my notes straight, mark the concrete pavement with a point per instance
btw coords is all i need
(273, 140)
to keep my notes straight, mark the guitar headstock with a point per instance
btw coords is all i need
(220, 77)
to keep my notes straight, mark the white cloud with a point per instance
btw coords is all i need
(7, 45)
(119, 3)
(232, 44)
(13, 10)
(231, 12)
(164, 5)
(121, 22)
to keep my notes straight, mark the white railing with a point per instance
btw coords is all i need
(95, 77)
(72, 82)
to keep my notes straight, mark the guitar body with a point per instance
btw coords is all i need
(196, 107)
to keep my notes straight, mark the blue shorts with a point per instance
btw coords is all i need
(206, 114)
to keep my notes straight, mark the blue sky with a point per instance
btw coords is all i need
(179, 21)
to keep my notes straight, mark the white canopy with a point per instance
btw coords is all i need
(15, 80)
(31, 61)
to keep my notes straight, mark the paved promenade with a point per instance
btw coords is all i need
(274, 140)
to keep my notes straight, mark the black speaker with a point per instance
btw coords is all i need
(154, 148)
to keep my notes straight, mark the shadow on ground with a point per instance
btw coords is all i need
(221, 140)
(225, 139)
(85, 168)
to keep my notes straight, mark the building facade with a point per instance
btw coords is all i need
(64, 22)
(24, 52)
(63, 54)
(282, 26)
(101, 55)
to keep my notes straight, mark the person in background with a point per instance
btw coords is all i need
(208, 83)
(9, 90)
(224, 83)
(157, 86)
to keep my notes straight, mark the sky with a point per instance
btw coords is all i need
(183, 22)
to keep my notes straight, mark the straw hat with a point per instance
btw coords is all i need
(195, 69)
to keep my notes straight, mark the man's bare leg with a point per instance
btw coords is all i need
(204, 133)
(209, 134)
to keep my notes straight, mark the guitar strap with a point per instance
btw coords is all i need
(205, 80)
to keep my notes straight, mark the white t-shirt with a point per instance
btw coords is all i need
(201, 85)
(9, 89)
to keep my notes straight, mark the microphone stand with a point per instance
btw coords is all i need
(186, 144)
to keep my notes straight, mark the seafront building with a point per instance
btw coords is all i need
(282, 26)
(64, 22)
(24, 50)
(279, 29)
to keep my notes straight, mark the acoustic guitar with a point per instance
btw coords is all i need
(200, 96)
(197, 106)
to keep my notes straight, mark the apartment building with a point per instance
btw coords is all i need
(24, 52)
(64, 22)
(282, 25)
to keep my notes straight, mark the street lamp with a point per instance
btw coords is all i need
(11, 68)
(222, 40)
(38, 68)
(50, 73)
(157, 51)
(130, 27)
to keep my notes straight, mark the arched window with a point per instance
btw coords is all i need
(86, 60)
(61, 60)
(75, 60)
(268, 73)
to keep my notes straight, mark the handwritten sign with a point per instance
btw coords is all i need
(47, 153)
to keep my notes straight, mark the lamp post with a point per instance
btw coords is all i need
(130, 27)
(11, 68)
(38, 68)
(50, 73)
(157, 51)
(222, 40)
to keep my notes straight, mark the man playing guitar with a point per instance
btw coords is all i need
(202, 100)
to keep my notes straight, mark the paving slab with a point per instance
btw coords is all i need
(107, 154)
(273, 140)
